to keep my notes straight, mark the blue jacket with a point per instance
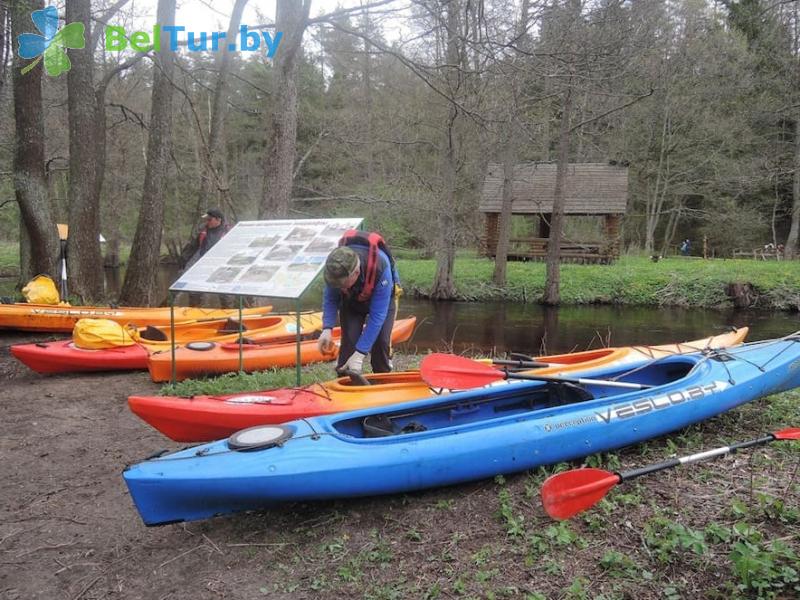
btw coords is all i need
(376, 307)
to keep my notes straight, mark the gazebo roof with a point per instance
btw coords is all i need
(591, 189)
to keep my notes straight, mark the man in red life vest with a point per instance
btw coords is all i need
(361, 282)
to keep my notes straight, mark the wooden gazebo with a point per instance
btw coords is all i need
(592, 189)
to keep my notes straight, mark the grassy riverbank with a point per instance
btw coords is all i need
(631, 281)
(685, 282)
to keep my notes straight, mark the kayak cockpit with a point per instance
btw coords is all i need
(487, 406)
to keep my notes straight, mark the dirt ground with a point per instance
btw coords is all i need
(68, 528)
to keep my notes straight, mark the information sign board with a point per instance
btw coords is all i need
(278, 258)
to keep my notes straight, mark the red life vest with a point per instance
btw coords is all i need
(374, 242)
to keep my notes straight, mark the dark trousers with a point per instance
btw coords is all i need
(352, 323)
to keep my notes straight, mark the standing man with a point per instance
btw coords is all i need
(362, 286)
(213, 231)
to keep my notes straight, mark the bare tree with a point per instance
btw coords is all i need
(509, 154)
(791, 242)
(291, 18)
(443, 287)
(552, 293)
(139, 287)
(85, 263)
(5, 42)
(213, 183)
(39, 244)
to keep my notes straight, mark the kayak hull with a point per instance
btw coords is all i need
(457, 438)
(65, 357)
(54, 318)
(205, 418)
(224, 358)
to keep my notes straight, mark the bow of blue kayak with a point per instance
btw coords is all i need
(450, 439)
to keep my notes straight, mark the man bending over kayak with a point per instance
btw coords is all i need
(361, 282)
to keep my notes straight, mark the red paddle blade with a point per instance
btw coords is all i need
(456, 372)
(792, 433)
(566, 494)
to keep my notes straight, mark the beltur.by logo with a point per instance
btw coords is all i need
(50, 46)
(117, 39)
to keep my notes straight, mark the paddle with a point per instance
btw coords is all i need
(456, 372)
(566, 494)
(63, 290)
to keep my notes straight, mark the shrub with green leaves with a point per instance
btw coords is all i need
(766, 570)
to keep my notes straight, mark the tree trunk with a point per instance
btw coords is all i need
(213, 182)
(85, 264)
(367, 79)
(291, 18)
(26, 273)
(5, 42)
(504, 226)
(443, 287)
(40, 247)
(672, 226)
(552, 292)
(117, 201)
(790, 251)
(139, 288)
(659, 194)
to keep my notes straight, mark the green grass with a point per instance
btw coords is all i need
(629, 281)
(232, 383)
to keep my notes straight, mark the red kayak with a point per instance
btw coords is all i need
(64, 356)
(203, 418)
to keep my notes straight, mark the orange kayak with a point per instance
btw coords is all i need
(65, 357)
(255, 328)
(54, 317)
(215, 359)
(203, 418)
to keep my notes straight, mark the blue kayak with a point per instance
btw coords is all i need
(460, 437)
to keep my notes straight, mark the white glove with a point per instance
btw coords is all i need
(355, 363)
(325, 342)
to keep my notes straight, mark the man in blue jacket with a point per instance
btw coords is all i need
(360, 286)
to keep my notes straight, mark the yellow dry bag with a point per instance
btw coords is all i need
(96, 334)
(41, 290)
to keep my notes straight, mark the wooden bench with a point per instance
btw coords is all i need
(758, 254)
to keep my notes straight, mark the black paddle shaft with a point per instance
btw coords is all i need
(577, 380)
(676, 462)
(519, 364)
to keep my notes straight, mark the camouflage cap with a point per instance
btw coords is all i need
(340, 265)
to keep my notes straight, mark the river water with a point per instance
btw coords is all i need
(533, 329)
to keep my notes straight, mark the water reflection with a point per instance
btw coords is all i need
(535, 329)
